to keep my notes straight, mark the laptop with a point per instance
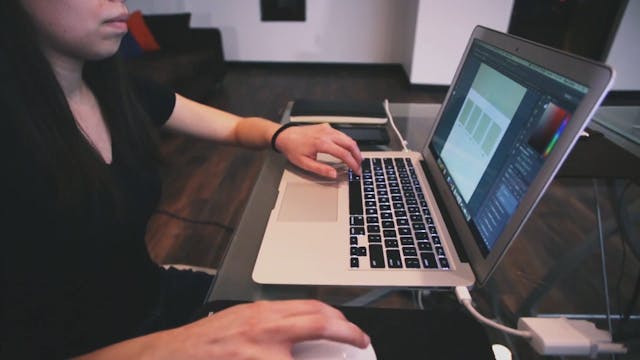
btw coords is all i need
(445, 215)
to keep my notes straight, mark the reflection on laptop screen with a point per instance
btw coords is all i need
(504, 117)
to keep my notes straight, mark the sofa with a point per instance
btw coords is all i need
(189, 60)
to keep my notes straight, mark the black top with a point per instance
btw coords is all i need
(76, 281)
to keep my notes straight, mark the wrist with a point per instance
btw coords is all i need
(275, 135)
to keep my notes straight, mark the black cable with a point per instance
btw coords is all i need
(198, 222)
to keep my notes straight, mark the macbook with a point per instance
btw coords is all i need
(446, 214)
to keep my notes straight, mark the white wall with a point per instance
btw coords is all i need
(348, 31)
(442, 32)
(426, 36)
(624, 55)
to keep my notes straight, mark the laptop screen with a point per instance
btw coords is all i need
(501, 122)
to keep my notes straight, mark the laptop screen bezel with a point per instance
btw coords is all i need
(598, 78)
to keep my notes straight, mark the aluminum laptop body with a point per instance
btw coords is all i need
(512, 114)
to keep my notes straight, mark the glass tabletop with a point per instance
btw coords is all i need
(553, 266)
(621, 124)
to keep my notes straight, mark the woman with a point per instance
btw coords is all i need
(81, 183)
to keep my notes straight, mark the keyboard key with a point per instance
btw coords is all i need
(353, 240)
(413, 210)
(418, 226)
(428, 260)
(444, 263)
(372, 219)
(389, 233)
(370, 203)
(432, 230)
(355, 262)
(406, 240)
(391, 243)
(388, 224)
(386, 215)
(362, 251)
(369, 196)
(424, 246)
(411, 263)
(393, 259)
(373, 229)
(420, 235)
(357, 230)
(402, 222)
(354, 251)
(398, 206)
(404, 231)
(384, 207)
(435, 239)
(383, 199)
(400, 213)
(415, 218)
(356, 220)
(440, 251)
(374, 238)
(371, 211)
(355, 198)
(376, 256)
(409, 251)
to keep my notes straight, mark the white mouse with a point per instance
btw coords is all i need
(327, 350)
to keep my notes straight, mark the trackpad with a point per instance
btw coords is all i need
(309, 202)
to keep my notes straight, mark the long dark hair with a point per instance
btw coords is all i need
(37, 112)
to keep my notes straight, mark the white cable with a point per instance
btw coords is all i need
(393, 125)
(465, 299)
(552, 336)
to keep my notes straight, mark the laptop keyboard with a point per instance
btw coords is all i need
(390, 223)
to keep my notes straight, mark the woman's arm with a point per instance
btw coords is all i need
(299, 144)
(260, 330)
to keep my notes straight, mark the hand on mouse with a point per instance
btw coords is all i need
(301, 145)
(261, 330)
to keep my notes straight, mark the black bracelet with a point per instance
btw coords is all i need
(281, 129)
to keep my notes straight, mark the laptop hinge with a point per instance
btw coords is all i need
(455, 237)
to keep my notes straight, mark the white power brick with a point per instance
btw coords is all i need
(561, 336)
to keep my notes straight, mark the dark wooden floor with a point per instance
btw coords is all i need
(211, 183)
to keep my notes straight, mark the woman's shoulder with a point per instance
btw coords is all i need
(156, 99)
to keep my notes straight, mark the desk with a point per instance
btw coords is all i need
(557, 226)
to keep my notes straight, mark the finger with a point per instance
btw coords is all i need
(315, 166)
(290, 308)
(349, 144)
(342, 154)
(313, 327)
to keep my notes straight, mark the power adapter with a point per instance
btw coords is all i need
(552, 336)
(561, 336)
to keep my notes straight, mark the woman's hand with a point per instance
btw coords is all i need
(301, 145)
(261, 330)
